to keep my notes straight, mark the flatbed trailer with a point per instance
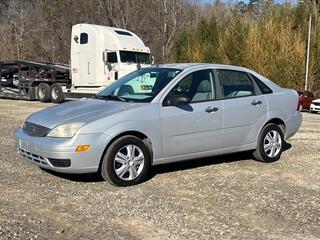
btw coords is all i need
(26, 79)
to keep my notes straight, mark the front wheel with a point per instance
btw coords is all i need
(270, 144)
(126, 162)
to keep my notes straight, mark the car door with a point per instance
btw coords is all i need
(193, 127)
(244, 108)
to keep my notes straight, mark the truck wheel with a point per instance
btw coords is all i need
(126, 162)
(270, 144)
(56, 93)
(43, 92)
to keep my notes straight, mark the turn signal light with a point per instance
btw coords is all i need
(82, 148)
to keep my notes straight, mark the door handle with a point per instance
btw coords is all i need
(256, 102)
(211, 109)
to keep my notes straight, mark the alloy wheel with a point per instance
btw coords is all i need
(272, 143)
(129, 162)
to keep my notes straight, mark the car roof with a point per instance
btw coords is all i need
(196, 66)
(185, 66)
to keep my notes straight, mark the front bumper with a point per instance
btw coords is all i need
(314, 108)
(59, 154)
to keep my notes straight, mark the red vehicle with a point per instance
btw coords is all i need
(306, 99)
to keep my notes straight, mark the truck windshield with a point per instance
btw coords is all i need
(134, 57)
(139, 86)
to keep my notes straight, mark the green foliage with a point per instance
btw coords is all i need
(273, 44)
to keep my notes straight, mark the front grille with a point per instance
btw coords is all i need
(60, 162)
(35, 130)
(32, 157)
(316, 103)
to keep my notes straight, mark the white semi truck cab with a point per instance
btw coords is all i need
(99, 56)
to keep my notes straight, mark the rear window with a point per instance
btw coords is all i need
(263, 87)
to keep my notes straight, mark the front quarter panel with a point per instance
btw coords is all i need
(148, 128)
(144, 119)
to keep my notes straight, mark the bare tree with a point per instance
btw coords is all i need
(40, 30)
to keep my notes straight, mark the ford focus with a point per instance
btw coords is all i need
(162, 114)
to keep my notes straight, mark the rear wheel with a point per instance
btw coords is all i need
(126, 161)
(56, 93)
(43, 92)
(270, 144)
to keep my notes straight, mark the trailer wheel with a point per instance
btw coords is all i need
(43, 92)
(56, 93)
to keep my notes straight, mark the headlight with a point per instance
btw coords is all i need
(65, 130)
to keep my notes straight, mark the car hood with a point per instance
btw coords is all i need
(316, 100)
(84, 110)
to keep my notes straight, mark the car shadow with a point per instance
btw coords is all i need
(201, 162)
(168, 167)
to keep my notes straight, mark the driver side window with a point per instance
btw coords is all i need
(198, 86)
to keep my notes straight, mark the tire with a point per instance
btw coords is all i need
(109, 163)
(43, 92)
(269, 151)
(56, 93)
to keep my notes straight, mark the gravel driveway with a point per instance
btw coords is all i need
(223, 197)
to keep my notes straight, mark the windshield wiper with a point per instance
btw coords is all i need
(111, 97)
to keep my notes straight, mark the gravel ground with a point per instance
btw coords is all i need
(226, 197)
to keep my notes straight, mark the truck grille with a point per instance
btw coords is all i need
(32, 157)
(35, 130)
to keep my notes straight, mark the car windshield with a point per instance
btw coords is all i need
(139, 86)
(134, 57)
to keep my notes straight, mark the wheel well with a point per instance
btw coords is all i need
(137, 134)
(278, 122)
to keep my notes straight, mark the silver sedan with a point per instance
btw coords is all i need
(159, 115)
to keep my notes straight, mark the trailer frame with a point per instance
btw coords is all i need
(27, 75)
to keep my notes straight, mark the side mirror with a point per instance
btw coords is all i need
(178, 99)
(109, 58)
(105, 56)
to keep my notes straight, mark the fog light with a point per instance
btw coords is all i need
(82, 148)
